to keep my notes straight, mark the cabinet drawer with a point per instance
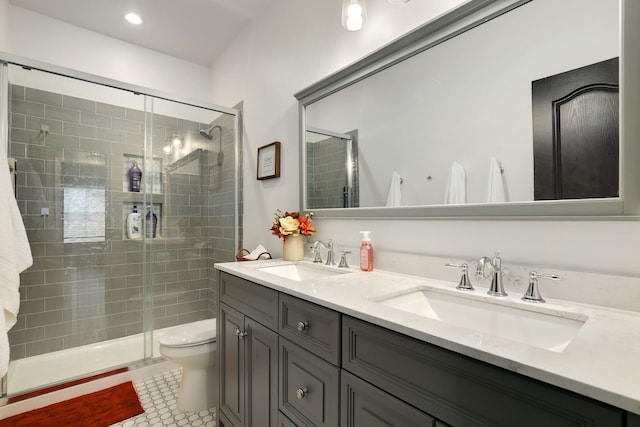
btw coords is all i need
(364, 405)
(459, 390)
(309, 387)
(311, 326)
(256, 301)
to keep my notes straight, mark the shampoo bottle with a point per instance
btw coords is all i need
(134, 224)
(366, 252)
(151, 224)
(135, 177)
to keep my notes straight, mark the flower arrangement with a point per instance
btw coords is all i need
(291, 223)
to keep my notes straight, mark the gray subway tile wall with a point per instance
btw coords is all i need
(327, 173)
(83, 292)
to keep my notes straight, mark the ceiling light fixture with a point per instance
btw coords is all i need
(133, 18)
(354, 14)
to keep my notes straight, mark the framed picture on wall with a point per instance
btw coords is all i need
(269, 161)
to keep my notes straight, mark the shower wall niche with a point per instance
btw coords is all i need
(89, 282)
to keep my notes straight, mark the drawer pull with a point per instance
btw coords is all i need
(302, 392)
(241, 333)
(303, 326)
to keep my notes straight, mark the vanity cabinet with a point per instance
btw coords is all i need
(248, 353)
(288, 362)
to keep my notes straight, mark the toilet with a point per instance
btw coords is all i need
(193, 347)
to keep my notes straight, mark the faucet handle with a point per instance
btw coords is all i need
(317, 258)
(330, 253)
(533, 291)
(465, 283)
(343, 259)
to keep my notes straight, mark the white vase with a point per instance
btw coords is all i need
(293, 247)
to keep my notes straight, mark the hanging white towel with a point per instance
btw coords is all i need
(15, 257)
(394, 195)
(455, 193)
(495, 186)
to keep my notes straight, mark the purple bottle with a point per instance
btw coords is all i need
(135, 177)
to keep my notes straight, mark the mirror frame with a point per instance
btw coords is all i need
(463, 18)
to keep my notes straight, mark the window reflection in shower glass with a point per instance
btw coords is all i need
(84, 215)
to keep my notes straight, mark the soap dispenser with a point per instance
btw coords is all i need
(134, 224)
(366, 252)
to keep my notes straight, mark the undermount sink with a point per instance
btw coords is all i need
(300, 272)
(547, 331)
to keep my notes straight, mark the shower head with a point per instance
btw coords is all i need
(207, 132)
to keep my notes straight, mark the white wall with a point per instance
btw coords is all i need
(297, 43)
(4, 24)
(38, 37)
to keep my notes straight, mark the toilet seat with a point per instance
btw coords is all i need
(190, 335)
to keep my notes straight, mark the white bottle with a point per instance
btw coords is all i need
(366, 252)
(134, 224)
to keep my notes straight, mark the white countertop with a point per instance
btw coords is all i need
(602, 361)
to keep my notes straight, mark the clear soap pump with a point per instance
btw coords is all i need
(366, 252)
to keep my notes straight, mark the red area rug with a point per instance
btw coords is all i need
(99, 409)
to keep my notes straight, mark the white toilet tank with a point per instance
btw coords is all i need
(190, 334)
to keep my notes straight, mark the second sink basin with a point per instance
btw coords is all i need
(300, 272)
(547, 331)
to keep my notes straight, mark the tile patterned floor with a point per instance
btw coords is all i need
(158, 397)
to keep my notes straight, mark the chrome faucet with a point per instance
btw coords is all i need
(495, 265)
(330, 255)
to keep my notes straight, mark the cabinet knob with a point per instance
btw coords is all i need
(241, 333)
(303, 326)
(302, 392)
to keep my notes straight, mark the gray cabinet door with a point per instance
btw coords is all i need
(231, 351)
(262, 375)
(363, 405)
(253, 300)
(459, 390)
(309, 387)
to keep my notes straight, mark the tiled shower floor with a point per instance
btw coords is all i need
(158, 397)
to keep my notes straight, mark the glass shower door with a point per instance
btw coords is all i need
(83, 298)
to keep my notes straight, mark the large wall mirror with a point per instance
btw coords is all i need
(498, 108)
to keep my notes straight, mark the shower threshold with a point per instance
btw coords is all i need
(32, 373)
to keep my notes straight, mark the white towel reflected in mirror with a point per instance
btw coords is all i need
(394, 195)
(455, 193)
(496, 192)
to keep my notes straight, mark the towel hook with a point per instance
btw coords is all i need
(500, 167)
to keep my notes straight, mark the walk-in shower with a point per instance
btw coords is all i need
(92, 286)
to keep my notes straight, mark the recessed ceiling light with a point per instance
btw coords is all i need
(133, 18)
